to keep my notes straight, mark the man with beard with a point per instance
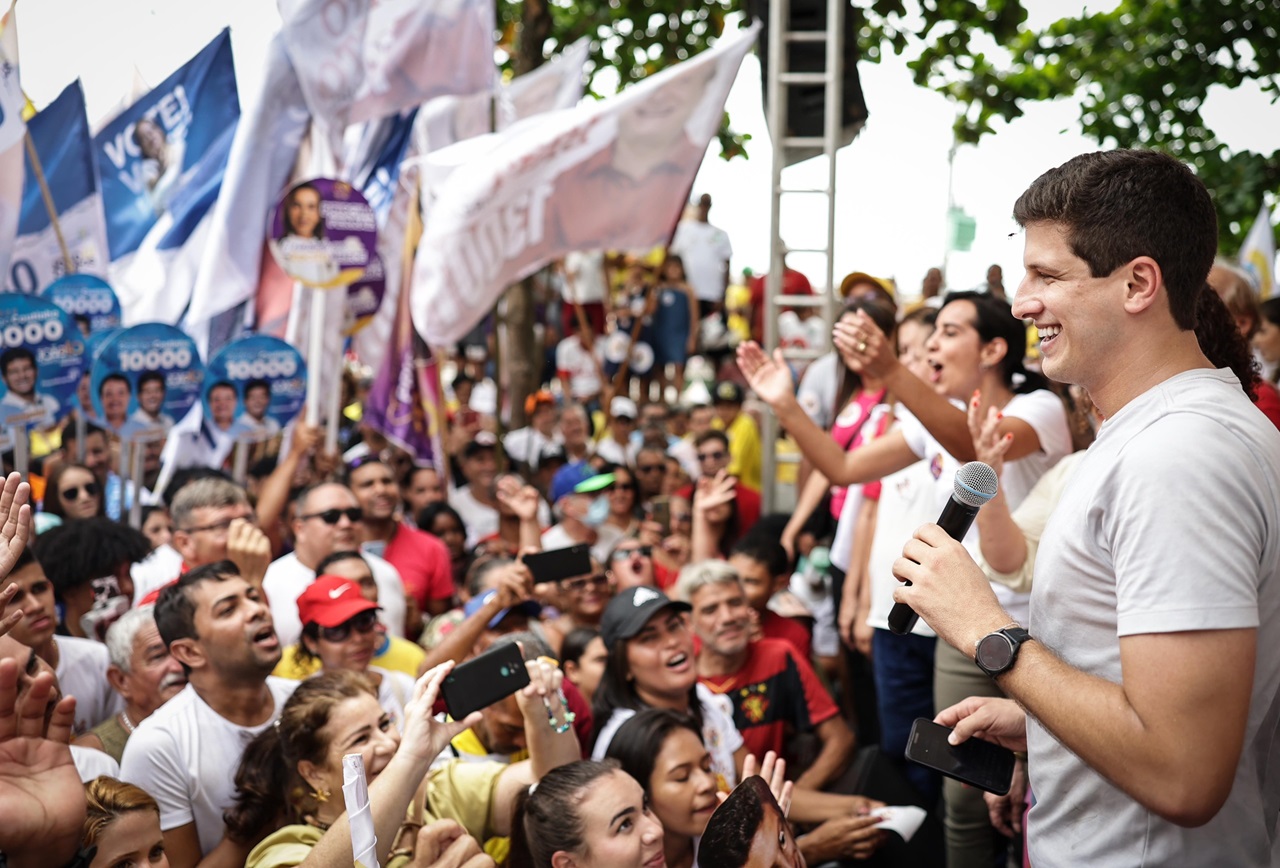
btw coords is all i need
(142, 673)
(185, 755)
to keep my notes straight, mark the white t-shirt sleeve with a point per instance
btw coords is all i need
(1186, 549)
(913, 432)
(152, 761)
(607, 732)
(1045, 413)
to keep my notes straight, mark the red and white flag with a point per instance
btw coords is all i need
(612, 174)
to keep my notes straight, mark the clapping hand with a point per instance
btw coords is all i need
(770, 378)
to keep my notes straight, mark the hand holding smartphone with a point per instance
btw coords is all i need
(484, 680)
(975, 762)
(559, 564)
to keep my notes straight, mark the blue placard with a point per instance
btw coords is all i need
(144, 379)
(41, 356)
(254, 387)
(90, 300)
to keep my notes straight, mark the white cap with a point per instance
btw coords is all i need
(623, 406)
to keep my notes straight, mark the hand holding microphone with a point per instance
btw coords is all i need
(975, 484)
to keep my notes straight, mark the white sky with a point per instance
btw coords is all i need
(892, 181)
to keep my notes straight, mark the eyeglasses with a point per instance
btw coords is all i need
(223, 525)
(642, 551)
(681, 517)
(90, 489)
(354, 515)
(577, 586)
(622, 486)
(718, 455)
(362, 624)
(651, 468)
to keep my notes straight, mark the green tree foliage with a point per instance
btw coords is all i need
(1142, 71)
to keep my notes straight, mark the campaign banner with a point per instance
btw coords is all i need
(359, 60)
(259, 165)
(148, 153)
(324, 233)
(254, 387)
(144, 379)
(611, 174)
(90, 301)
(60, 134)
(12, 130)
(41, 357)
(364, 298)
(1258, 253)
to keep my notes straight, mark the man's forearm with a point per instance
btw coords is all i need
(837, 748)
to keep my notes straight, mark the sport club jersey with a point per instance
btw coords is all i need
(775, 694)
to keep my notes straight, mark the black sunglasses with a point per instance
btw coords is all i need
(651, 468)
(354, 514)
(579, 585)
(642, 551)
(362, 624)
(90, 489)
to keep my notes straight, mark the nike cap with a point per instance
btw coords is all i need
(331, 601)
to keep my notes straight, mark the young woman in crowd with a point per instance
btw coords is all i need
(586, 815)
(443, 520)
(1267, 340)
(1236, 291)
(123, 822)
(622, 501)
(340, 629)
(582, 659)
(716, 522)
(157, 525)
(675, 320)
(73, 492)
(581, 601)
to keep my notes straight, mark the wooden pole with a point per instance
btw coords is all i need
(38, 170)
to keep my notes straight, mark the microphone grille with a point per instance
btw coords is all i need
(976, 483)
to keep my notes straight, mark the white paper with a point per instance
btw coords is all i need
(355, 790)
(903, 819)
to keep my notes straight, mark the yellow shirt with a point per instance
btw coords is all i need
(746, 455)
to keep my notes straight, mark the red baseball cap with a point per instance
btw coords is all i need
(331, 601)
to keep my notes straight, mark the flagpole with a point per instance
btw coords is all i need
(38, 170)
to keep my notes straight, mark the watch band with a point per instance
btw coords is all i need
(1012, 634)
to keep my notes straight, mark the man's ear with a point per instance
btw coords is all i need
(116, 678)
(561, 859)
(1143, 284)
(181, 543)
(189, 653)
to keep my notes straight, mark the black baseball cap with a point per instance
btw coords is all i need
(628, 612)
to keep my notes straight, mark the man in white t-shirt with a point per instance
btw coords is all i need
(1147, 686)
(705, 251)
(186, 754)
(327, 519)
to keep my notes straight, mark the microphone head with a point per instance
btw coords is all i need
(976, 483)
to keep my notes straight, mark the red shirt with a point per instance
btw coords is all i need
(793, 283)
(423, 562)
(795, 634)
(776, 693)
(1268, 401)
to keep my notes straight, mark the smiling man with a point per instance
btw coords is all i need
(185, 754)
(1147, 681)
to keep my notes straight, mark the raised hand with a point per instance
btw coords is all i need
(15, 514)
(445, 844)
(770, 378)
(521, 499)
(41, 797)
(863, 347)
(424, 736)
(774, 771)
(984, 427)
(249, 549)
(714, 491)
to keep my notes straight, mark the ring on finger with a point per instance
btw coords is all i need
(862, 346)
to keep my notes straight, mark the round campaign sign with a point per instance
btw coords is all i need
(364, 297)
(144, 379)
(323, 233)
(90, 300)
(41, 357)
(254, 387)
(94, 343)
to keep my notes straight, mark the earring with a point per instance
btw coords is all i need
(320, 795)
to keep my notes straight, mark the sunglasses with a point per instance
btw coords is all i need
(90, 489)
(651, 468)
(354, 515)
(622, 486)
(642, 551)
(712, 456)
(362, 624)
(577, 586)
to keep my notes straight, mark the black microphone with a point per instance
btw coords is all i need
(975, 484)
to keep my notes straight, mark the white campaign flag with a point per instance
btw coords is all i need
(1258, 253)
(446, 120)
(263, 152)
(360, 60)
(610, 174)
(12, 131)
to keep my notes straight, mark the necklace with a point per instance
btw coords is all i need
(126, 722)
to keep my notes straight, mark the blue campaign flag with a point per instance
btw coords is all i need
(152, 150)
(377, 181)
(60, 133)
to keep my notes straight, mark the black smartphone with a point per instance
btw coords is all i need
(976, 762)
(482, 681)
(662, 513)
(559, 564)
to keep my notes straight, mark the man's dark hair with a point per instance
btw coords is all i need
(176, 607)
(764, 549)
(708, 436)
(69, 431)
(114, 378)
(339, 557)
(1122, 204)
(150, 377)
(76, 553)
(12, 355)
(256, 384)
(220, 384)
(27, 558)
(726, 843)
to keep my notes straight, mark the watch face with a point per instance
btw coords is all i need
(995, 652)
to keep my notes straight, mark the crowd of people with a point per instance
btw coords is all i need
(189, 693)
